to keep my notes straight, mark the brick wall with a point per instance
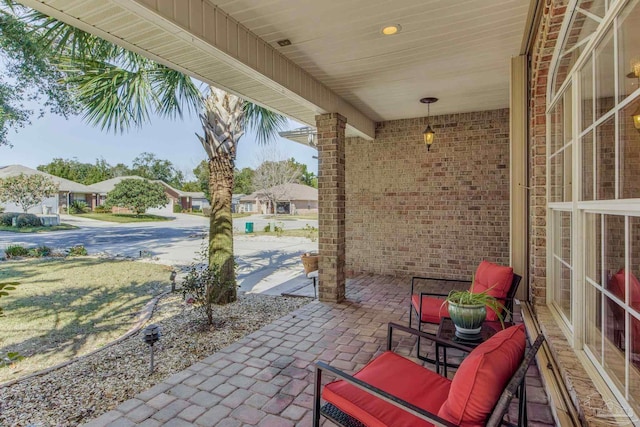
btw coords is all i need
(544, 44)
(437, 213)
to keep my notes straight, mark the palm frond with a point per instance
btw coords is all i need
(264, 122)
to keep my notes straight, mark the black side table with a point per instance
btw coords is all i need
(447, 332)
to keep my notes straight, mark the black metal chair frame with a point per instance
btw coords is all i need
(508, 302)
(515, 387)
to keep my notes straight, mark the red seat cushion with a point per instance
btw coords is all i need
(478, 383)
(432, 308)
(397, 376)
(616, 285)
(495, 278)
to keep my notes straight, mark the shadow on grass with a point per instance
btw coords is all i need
(73, 319)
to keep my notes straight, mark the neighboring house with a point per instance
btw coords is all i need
(68, 192)
(292, 199)
(187, 200)
(235, 203)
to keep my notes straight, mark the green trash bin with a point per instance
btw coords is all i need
(248, 227)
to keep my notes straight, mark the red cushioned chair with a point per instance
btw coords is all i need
(499, 281)
(394, 391)
(616, 285)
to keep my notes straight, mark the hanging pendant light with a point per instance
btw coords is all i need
(428, 133)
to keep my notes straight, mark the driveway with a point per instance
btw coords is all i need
(265, 264)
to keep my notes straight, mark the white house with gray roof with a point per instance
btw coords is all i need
(68, 191)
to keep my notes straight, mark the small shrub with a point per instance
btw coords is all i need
(267, 228)
(78, 207)
(1, 209)
(177, 208)
(6, 219)
(39, 252)
(279, 228)
(196, 210)
(311, 232)
(78, 250)
(27, 220)
(203, 287)
(101, 209)
(13, 251)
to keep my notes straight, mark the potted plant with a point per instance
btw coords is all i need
(468, 310)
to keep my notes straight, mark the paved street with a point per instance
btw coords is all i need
(265, 264)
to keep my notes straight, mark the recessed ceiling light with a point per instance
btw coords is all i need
(389, 30)
(284, 42)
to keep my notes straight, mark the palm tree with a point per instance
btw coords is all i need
(118, 89)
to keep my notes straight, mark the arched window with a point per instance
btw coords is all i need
(593, 188)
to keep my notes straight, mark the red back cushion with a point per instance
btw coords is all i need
(497, 279)
(482, 376)
(617, 286)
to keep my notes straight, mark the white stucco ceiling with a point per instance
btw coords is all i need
(456, 50)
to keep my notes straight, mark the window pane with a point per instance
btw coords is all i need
(593, 247)
(605, 160)
(587, 95)
(629, 50)
(562, 236)
(557, 127)
(614, 357)
(562, 287)
(593, 321)
(597, 7)
(614, 242)
(605, 82)
(629, 151)
(567, 120)
(567, 174)
(587, 167)
(634, 365)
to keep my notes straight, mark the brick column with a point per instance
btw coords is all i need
(331, 189)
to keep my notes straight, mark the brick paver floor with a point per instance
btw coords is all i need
(266, 378)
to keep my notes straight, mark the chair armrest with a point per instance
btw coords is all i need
(381, 394)
(422, 334)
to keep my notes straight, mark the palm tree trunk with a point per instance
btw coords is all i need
(221, 224)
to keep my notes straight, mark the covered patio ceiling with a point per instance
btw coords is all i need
(338, 59)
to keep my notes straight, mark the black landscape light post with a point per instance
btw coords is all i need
(172, 277)
(151, 335)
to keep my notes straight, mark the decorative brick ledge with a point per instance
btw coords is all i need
(593, 408)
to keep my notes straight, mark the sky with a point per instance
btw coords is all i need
(53, 136)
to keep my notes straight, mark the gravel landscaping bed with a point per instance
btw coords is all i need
(96, 384)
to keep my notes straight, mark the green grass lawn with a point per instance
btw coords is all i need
(111, 217)
(60, 227)
(66, 308)
(313, 235)
(240, 215)
(293, 217)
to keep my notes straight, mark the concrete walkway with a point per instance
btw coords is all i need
(266, 264)
(266, 378)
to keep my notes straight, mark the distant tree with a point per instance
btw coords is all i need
(120, 170)
(148, 165)
(27, 75)
(243, 181)
(272, 176)
(191, 186)
(26, 190)
(202, 176)
(74, 170)
(306, 177)
(137, 195)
